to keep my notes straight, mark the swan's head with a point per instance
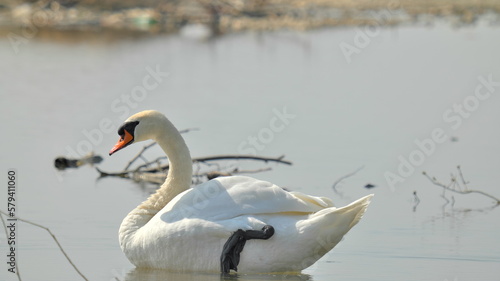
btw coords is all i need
(139, 127)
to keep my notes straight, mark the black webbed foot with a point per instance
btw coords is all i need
(230, 257)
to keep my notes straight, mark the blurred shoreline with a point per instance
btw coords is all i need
(212, 18)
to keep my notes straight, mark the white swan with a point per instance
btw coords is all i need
(185, 229)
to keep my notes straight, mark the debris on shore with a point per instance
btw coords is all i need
(226, 16)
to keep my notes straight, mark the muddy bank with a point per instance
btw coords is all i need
(219, 17)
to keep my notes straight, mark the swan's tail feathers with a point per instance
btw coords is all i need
(358, 207)
(352, 212)
(344, 217)
(331, 224)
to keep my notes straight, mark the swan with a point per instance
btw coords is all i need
(233, 222)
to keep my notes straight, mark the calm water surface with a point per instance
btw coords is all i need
(370, 112)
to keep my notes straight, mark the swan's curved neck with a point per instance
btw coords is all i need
(178, 179)
(179, 173)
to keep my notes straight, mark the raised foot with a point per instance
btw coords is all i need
(230, 257)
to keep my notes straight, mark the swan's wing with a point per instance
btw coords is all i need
(229, 197)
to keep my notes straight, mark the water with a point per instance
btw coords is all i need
(368, 113)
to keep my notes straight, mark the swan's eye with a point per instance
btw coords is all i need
(129, 127)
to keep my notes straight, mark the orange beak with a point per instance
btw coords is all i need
(122, 142)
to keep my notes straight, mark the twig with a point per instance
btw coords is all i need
(462, 177)
(124, 174)
(444, 197)
(346, 176)
(253, 171)
(188, 130)
(222, 157)
(416, 200)
(243, 157)
(53, 237)
(156, 161)
(6, 236)
(233, 172)
(453, 182)
(159, 177)
(146, 147)
(138, 155)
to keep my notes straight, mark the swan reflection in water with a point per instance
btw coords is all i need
(142, 274)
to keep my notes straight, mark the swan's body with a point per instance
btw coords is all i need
(184, 229)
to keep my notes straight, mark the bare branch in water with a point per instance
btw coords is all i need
(159, 177)
(139, 155)
(216, 158)
(416, 200)
(462, 177)
(116, 174)
(455, 186)
(253, 171)
(214, 174)
(125, 174)
(53, 237)
(334, 186)
(243, 157)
